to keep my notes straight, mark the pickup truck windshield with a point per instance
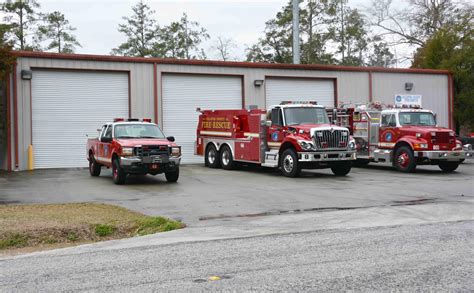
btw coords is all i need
(305, 115)
(138, 131)
(417, 118)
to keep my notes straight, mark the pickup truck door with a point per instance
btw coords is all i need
(105, 149)
(275, 131)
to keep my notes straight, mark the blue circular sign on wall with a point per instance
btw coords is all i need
(275, 136)
(388, 136)
(398, 99)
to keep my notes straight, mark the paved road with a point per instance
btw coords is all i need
(414, 257)
(204, 193)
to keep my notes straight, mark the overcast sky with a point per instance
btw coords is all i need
(243, 20)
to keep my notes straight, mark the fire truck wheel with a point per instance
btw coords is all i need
(94, 167)
(289, 163)
(211, 159)
(448, 166)
(361, 162)
(172, 176)
(118, 174)
(341, 168)
(404, 160)
(227, 161)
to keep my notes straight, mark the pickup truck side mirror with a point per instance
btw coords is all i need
(105, 139)
(170, 138)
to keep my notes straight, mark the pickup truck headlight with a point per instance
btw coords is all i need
(127, 151)
(305, 145)
(175, 151)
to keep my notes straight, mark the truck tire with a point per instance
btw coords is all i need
(211, 158)
(118, 174)
(227, 160)
(341, 168)
(448, 167)
(361, 162)
(172, 176)
(289, 163)
(404, 160)
(94, 167)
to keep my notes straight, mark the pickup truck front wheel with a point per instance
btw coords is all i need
(172, 176)
(118, 174)
(94, 167)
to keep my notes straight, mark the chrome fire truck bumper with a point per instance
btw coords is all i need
(442, 155)
(326, 156)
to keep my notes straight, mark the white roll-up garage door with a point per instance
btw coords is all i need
(294, 89)
(182, 94)
(67, 106)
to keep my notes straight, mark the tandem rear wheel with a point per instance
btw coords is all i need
(211, 158)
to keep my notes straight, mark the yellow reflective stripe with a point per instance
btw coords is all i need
(216, 133)
(250, 134)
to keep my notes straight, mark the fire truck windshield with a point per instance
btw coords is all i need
(305, 115)
(417, 118)
(138, 131)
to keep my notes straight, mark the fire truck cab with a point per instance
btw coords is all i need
(290, 136)
(406, 137)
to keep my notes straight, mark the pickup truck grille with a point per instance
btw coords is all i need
(152, 150)
(331, 139)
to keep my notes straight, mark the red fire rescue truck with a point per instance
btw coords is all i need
(404, 136)
(291, 136)
(133, 147)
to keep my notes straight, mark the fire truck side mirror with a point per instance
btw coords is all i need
(268, 123)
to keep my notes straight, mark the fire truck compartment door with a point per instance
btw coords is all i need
(294, 89)
(183, 93)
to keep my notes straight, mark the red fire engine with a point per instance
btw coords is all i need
(291, 136)
(404, 136)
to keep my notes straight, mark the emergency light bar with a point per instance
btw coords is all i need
(298, 102)
(132, 120)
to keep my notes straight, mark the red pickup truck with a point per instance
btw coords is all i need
(133, 147)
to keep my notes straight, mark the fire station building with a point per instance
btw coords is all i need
(52, 102)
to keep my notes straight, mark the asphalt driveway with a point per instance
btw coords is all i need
(202, 194)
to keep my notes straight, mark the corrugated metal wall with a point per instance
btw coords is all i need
(352, 87)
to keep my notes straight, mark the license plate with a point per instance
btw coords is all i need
(436, 147)
(152, 159)
(456, 154)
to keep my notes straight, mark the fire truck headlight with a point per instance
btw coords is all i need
(352, 144)
(175, 151)
(305, 145)
(127, 151)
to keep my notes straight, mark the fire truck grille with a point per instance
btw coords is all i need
(331, 139)
(151, 150)
(442, 137)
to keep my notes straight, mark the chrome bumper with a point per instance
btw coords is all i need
(442, 155)
(326, 156)
(128, 161)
